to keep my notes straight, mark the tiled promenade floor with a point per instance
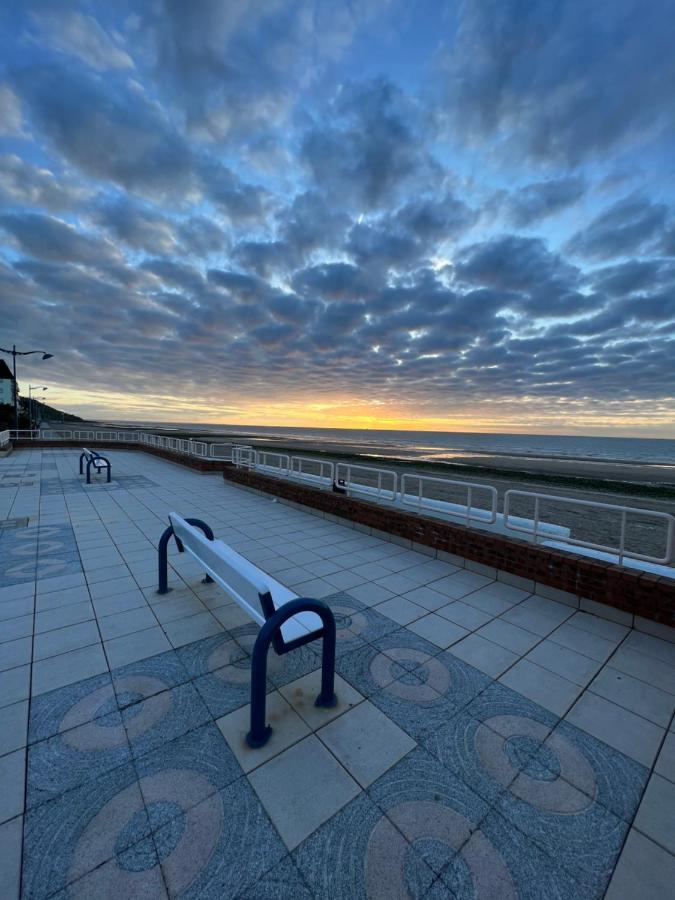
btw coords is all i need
(488, 743)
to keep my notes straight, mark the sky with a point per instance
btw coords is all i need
(407, 214)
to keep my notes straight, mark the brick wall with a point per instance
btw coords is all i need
(639, 594)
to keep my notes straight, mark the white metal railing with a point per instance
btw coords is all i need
(273, 463)
(414, 492)
(301, 468)
(380, 484)
(243, 456)
(467, 510)
(623, 512)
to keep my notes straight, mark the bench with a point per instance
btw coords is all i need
(96, 460)
(286, 620)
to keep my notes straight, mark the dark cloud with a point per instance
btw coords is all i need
(373, 149)
(139, 227)
(622, 230)
(562, 81)
(537, 201)
(24, 184)
(49, 238)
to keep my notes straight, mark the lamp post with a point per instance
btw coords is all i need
(16, 353)
(31, 402)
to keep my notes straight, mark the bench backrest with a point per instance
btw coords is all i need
(236, 575)
(90, 454)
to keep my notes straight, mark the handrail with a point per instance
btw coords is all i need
(345, 479)
(411, 493)
(297, 471)
(280, 462)
(417, 499)
(623, 511)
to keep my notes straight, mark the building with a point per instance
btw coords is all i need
(6, 383)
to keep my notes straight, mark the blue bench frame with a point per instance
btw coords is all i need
(94, 458)
(270, 633)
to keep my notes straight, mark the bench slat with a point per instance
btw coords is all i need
(242, 580)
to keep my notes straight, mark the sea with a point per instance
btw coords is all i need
(444, 445)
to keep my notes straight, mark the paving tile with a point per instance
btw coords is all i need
(401, 610)
(51, 619)
(611, 631)
(185, 631)
(452, 587)
(438, 630)
(227, 845)
(284, 880)
(569, 664)
(302, 693)
(12, 773)
(15, 653)
(112, 588)
(14, 609)
(397, 583)
(11, 629)
(163, 717)
(631, 734)
(366, 742)
(63, 640)
(655, 816)
(649, 669)
(11, 834)
(126, 622)
(287, 729)
(284, 783)
(177, 608)
(531, 620)
(77, 832)
(423, 700)
(14, 732)
(546, 688)
(514, 638)
(108, 606)
(370, 594)
(583, 642)
(651, 646)
(61, 599)
(485, 655)
(639, 697)
(375, 859)
(146, 677)
(75, 756)
(70, 706)
(463, 614)
(427, 598)
(644, 870)
(665, 763)
(139, 645)
(57, 671)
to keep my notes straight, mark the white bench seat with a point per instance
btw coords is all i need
(244, 582)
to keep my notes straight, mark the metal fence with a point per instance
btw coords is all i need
(473, 503)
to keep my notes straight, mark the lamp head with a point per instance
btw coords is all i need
(47, 355)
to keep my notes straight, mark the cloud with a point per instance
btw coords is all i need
(561, 82)
(49, 238)
(139, 227)
(81, 36)
(24, 184)
(542, 199)
(109, 130)
(373, 148)
(623, 229)
(11, 118)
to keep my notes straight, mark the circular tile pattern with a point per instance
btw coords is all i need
(423, 821)
(512, 751)
(431, 678)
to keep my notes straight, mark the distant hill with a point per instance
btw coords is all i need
(44, 411)
(40, 411)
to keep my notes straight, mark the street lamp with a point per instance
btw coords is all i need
(31, 403)
(16, 353)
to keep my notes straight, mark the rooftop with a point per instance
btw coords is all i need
(487, 742)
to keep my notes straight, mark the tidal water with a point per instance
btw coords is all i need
(439, 445)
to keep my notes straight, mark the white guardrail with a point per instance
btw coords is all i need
(425, 494)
